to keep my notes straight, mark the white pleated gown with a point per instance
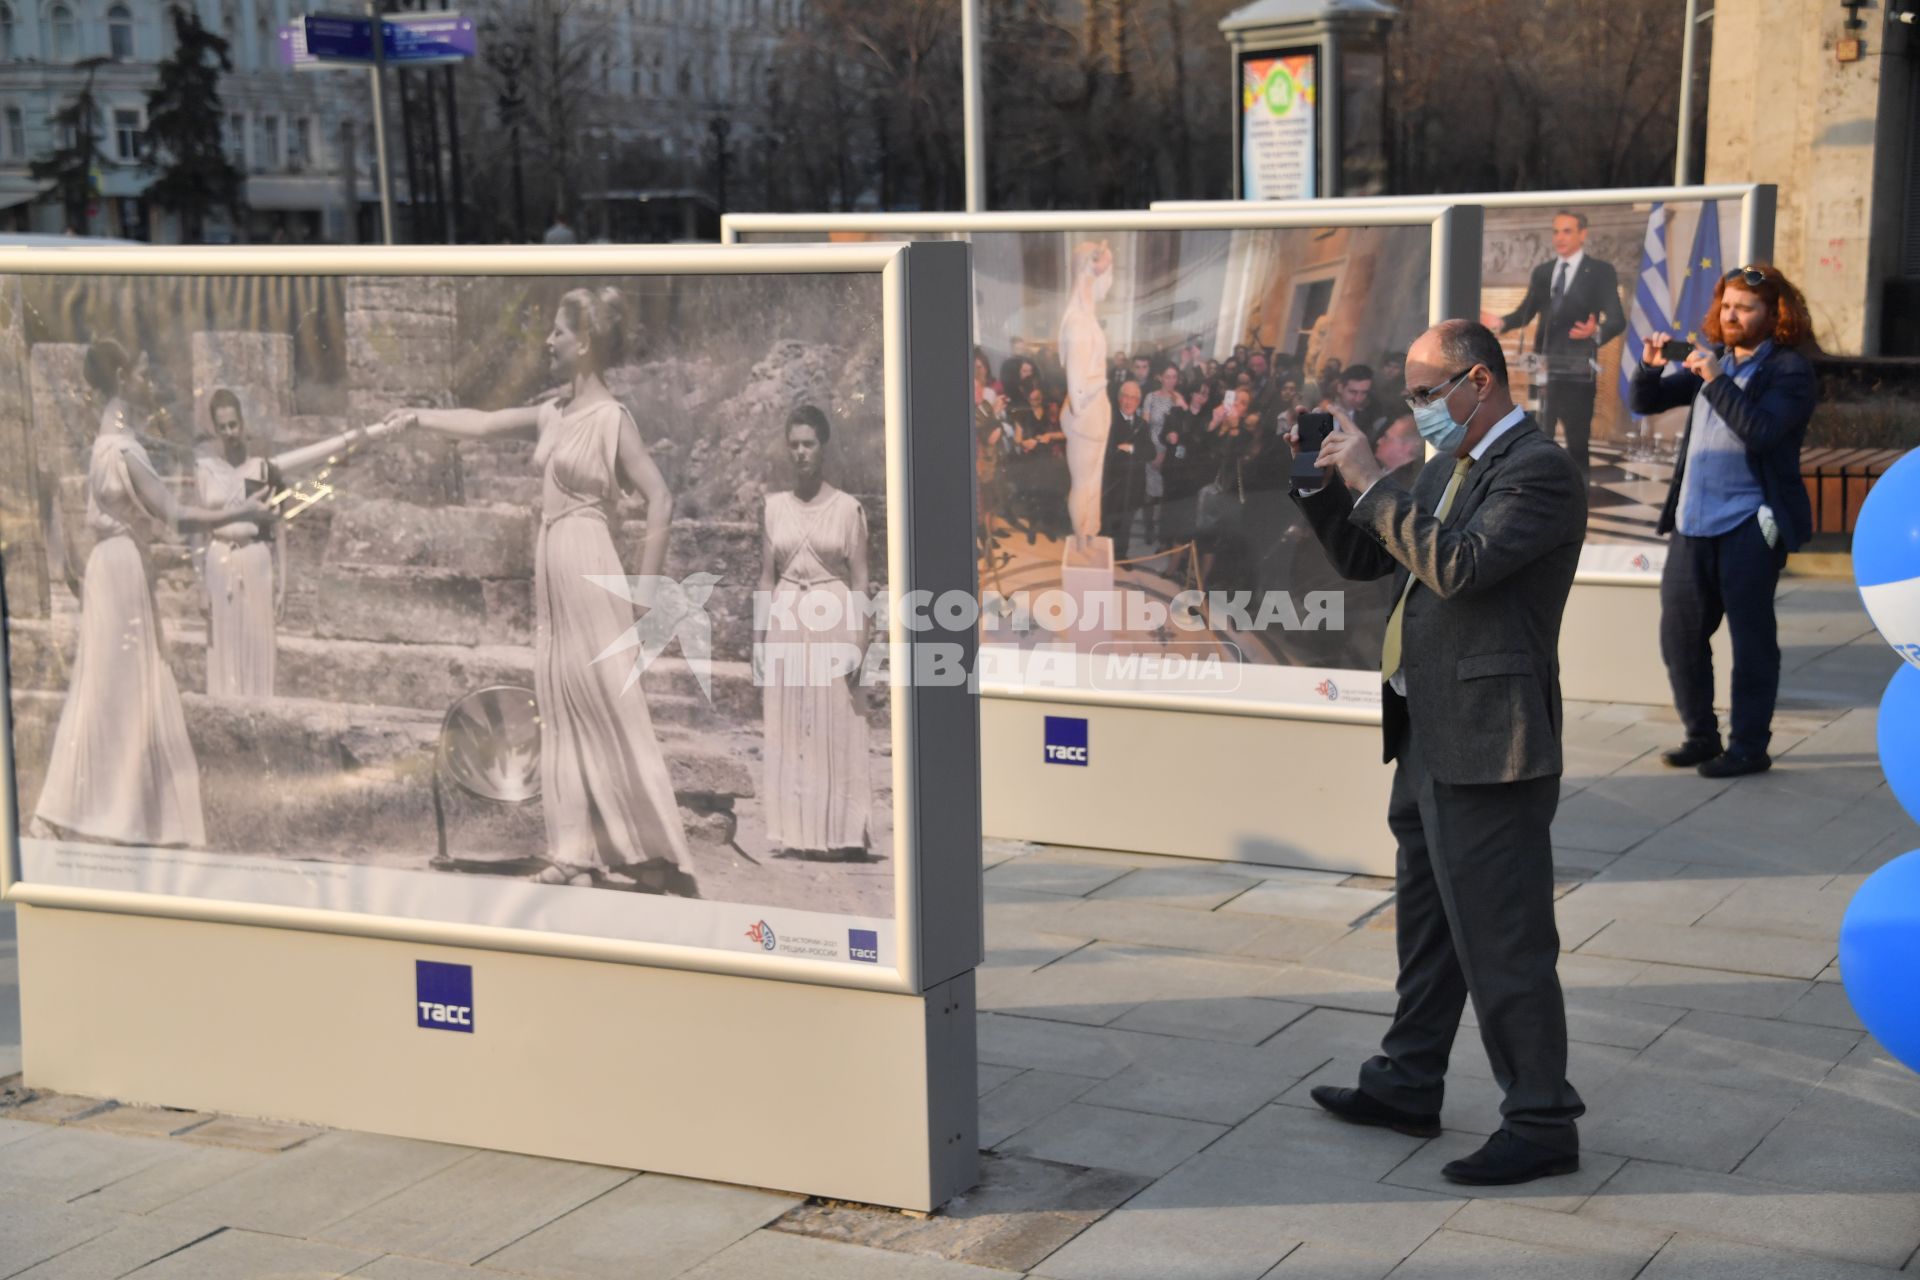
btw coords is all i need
(122, 768)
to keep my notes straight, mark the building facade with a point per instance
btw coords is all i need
(1825, 102)
(665, 96)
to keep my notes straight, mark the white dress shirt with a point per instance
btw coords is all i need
(1479, 451)
(1573, 269)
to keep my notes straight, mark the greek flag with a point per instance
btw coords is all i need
(1652, 310)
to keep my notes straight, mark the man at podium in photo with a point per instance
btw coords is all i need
(1576, 300)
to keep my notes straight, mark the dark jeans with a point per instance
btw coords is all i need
(1475, 920)
(1731, 576)
(1569, 402)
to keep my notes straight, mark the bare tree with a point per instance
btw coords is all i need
(558, 73)
(1097, 103)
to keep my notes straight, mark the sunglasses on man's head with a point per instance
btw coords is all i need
(1753, 277)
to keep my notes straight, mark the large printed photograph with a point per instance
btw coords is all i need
(1133, 392)
(1572, 291)
(468, 599)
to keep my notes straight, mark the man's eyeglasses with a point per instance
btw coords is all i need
(1421, 397)
(1752, 277)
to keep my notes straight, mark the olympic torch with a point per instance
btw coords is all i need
(266, 476)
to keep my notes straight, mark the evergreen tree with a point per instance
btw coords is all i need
(184, 119)
(74, 168)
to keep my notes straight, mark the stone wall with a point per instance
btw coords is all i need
(65, 416)
(25, 501)
(1832, 135)
(400, 352)
(257, 367)
(400, 343)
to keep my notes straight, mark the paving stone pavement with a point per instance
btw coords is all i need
(1149, 1030)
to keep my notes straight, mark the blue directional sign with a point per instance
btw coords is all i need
(409, 40)
(339, 38)
(430, 39)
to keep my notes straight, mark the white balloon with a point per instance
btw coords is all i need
(1895, 610)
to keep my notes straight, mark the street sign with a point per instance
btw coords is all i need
(430, 39)
(410, 40)
(293, 48)
(338, 38)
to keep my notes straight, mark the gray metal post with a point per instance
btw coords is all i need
(1683, 151)
(973, 108)
(380, 123)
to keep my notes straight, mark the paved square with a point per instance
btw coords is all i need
(1149, 1030)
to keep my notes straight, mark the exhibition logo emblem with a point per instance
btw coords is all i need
(1641, 562)
(762, 933)
(1066, 740)
(1328, 690)
(674, 610)
(1279, 91)
(443, 996)
(864, 945)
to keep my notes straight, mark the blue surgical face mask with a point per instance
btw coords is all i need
(1434, 421)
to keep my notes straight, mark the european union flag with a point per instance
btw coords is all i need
(1704, 269)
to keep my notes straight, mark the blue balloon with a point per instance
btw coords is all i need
(1880, 954)
(1886, 555)
(1900, 738)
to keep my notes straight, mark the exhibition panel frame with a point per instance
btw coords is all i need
(1316, 724)
(1759, 204)
(687, 902)
(1610, 649)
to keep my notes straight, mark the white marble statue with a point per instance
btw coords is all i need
(1087, 415)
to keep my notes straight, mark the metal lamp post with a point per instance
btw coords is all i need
(508, 58)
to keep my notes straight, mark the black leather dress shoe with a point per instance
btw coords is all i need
(1694, 751)
(1356, 1107)
(1732, 766)
(1507, 1159)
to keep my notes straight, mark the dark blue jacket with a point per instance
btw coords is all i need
(1770, 414)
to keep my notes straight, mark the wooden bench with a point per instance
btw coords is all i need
(1837, 483)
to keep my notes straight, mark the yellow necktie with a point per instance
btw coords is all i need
(1390, 646)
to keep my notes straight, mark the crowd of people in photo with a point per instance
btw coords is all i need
(1194, 439)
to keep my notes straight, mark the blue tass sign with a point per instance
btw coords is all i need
(443, 995)
(1066, 740)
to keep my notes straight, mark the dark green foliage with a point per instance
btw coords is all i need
(196, 176)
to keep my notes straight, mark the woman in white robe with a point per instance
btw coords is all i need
(611, 814)
(813, 570)
(122, 769)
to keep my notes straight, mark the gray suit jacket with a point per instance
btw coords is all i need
(1481, 634)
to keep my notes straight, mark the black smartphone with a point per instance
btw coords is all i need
(1314, 428)
(1676, 351)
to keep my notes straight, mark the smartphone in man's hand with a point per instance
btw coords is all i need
(1313, 429)
(1676, 351)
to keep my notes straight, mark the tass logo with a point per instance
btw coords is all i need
(1066, 740)
(1328, 690)
(762, 933)
(863, 944)
(443, 995)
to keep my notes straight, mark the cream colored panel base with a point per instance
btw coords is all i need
(1610, 648)
(848, 1094)
(1295, 793)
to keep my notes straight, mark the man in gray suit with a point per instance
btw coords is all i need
(1483, 552)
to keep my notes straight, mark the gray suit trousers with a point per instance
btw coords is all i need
(1475, 920)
